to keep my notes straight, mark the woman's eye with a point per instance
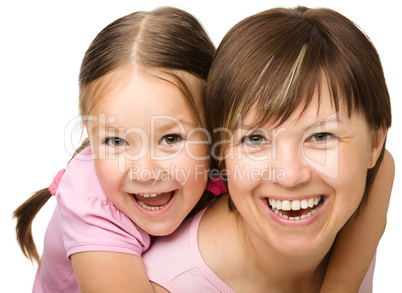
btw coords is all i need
(171, 139)
(254, 139)
(321, 136)
(115, 141)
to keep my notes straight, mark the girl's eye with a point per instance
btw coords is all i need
(321, 137)
(254, 139)
(171, 139)
(115, 141)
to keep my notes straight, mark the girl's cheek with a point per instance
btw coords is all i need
(196, 150)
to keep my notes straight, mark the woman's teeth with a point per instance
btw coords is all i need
(307, 207)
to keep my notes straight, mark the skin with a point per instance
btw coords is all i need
(295, 255)
(144, 142)
(296, 252)
(301, 270)
(151, 148)
(359, 238)
(347, 154)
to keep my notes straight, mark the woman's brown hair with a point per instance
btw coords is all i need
(276, 61)
(167, 39)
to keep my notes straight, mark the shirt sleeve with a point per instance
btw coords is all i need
(95, 224)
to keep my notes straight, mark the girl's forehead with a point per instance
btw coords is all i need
(102, 91)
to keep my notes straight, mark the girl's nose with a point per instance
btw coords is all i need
(145, 170)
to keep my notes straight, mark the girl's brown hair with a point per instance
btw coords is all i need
(276, 61)
(166, 39)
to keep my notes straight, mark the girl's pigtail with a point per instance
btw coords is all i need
(26, 213)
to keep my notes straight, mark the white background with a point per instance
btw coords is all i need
(41, 47)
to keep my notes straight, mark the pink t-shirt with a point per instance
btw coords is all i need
(83, 220)
(175, 263)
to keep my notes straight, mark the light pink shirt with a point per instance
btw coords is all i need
(175, 263)
(84, 220)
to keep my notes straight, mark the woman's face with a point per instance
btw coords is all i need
(295, 186)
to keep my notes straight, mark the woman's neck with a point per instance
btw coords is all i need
(248, 264)
(282, 273)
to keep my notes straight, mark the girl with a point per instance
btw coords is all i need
(141, 87)
(300, 108)
(115, 268)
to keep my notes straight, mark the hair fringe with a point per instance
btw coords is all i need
(26, 213)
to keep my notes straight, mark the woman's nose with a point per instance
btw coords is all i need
(290, 160)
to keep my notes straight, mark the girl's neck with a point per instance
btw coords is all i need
(258, 267)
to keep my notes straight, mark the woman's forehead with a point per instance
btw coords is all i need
(319, 106)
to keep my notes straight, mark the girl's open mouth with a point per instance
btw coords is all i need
(153, 201)
(295, 210)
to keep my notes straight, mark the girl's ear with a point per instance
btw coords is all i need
(377, 143)
(88, 125)
(86, 128)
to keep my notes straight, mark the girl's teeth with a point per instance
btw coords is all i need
(145, 206)
(148, 194)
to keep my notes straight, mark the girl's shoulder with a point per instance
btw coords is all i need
(80, 178)
(88, 218)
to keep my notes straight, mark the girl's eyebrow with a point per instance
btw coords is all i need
(170, 124)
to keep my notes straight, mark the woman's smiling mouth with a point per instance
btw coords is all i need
(295, 210)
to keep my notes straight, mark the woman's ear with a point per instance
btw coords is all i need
(377, 142)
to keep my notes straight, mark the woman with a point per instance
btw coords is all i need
(299, 109)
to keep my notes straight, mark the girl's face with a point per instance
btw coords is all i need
(149, 156)
(295, 186)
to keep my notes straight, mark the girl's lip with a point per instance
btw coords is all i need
(311, 214)
(153, 211)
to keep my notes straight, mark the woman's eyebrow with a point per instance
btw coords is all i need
(326, 120)
(329, 119)
(250, 128)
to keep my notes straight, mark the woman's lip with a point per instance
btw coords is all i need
(298, 222)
